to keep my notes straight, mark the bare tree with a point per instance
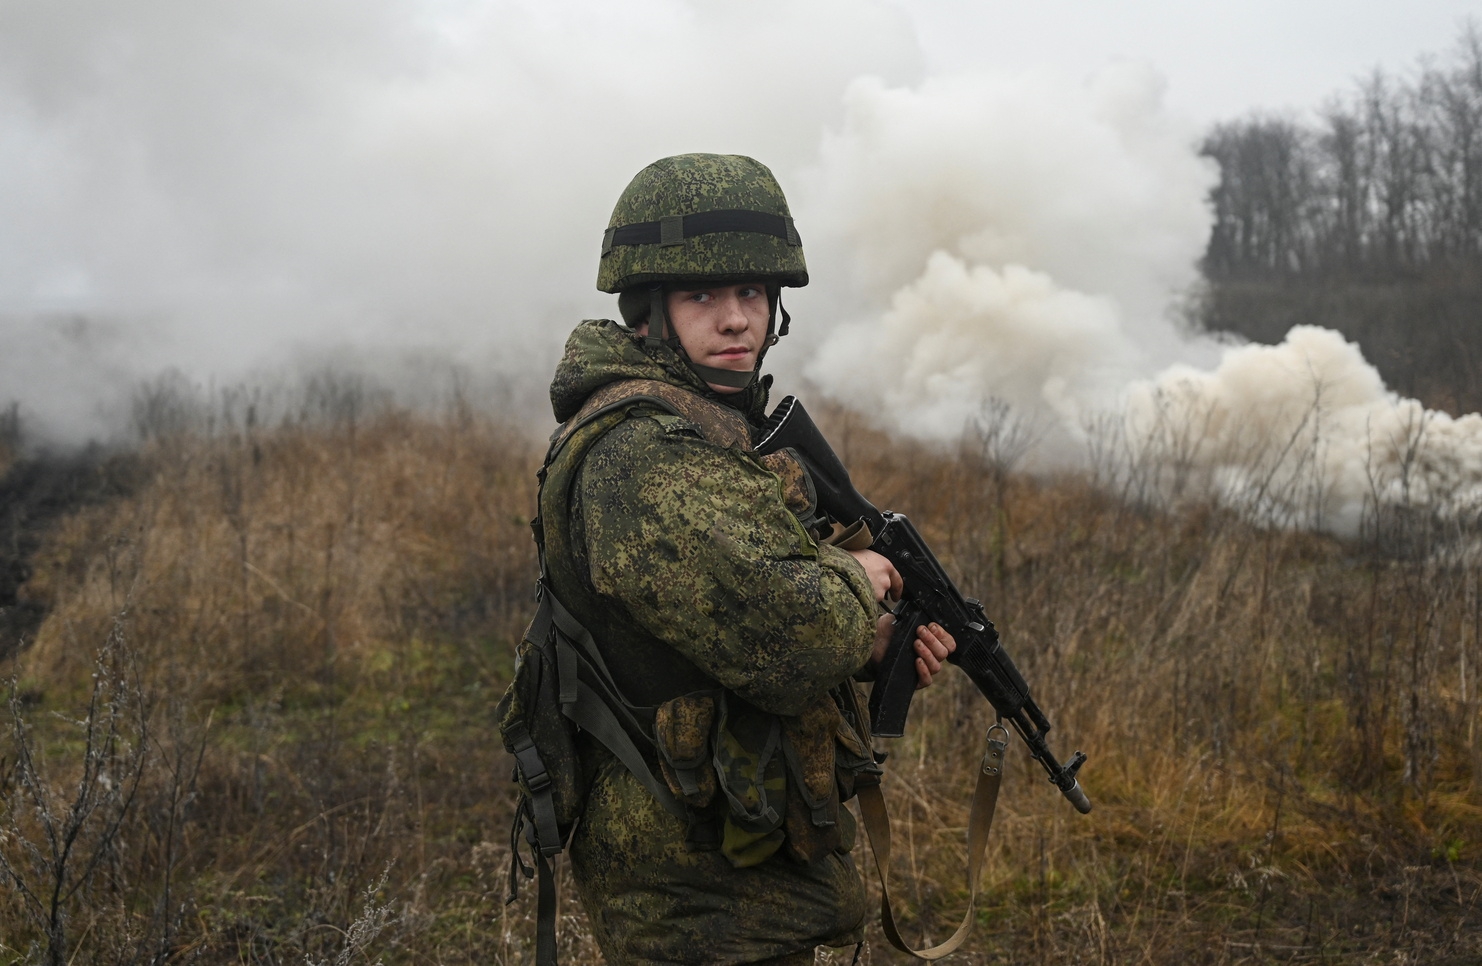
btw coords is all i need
(1368, 222)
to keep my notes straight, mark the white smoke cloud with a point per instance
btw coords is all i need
(1093, 183)
(1305, 433)
(1028, 241)
(960, 335)
(416, 186)
(231, 186)
(1030, 234)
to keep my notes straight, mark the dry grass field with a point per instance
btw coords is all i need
(255, 726)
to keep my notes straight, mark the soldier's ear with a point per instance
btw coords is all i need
(635, 304)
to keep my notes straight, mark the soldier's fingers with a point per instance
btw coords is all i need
(936, 639)
(880, 571)
(923, 676)
(929, 657)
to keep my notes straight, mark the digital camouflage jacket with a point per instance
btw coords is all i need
(677, 548)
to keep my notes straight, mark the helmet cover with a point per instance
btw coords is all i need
(702, 219)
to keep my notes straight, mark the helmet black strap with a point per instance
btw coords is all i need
(774, 334)
(658, 317)
(731, 378)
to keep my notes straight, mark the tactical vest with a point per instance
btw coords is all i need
(744, 781)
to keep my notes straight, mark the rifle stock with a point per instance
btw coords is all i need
(930, 595)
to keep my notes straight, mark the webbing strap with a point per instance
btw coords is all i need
(578, 633)
(817, 804)
(658, 316)
(674, 229)
(545, 913)
(877, 827)
(734, 378)
(538, 781)
(583, 648)
(540, 625)
(764, 817)
(595, 709)
(593, 715)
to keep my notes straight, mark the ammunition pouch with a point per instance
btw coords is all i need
(780, 779)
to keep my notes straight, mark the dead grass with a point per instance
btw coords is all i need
(1281, 726)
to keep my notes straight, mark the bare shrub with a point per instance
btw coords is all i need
(61, 816)
(1281, 726)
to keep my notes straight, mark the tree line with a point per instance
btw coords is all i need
(1366, 219)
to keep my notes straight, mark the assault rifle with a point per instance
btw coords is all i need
(929, 596)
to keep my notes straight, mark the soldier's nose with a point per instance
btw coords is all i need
(732, 315)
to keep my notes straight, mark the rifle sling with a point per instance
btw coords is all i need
(877, 827)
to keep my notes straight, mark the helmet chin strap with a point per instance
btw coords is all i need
(730, 378)
(658, 334)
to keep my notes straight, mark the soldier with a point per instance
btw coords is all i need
(712, 595)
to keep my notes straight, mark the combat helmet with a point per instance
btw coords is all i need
(697, 220)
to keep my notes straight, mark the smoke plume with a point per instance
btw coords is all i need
(227, 189)
(1029, 243)
(416, 187)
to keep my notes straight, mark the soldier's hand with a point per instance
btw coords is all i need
(884, 578)
(933, 644)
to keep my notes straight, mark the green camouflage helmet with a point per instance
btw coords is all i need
(705, 218)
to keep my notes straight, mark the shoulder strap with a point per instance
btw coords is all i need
(877, 827)
(611, 397)
(719, 424)
(596, 704)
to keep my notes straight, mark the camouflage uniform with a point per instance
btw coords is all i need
(683, 559)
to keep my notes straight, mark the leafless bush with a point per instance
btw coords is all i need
(62, 817)
(1280, 723)
(374, 917)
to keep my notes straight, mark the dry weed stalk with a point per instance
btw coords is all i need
(1267, 712)
(61, 816)
(1280, 724)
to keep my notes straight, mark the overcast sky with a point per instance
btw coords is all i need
(214, 186)
(1220, 59)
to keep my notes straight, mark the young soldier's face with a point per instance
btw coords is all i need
(722, 327)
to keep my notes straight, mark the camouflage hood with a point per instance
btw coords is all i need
(600, 351)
